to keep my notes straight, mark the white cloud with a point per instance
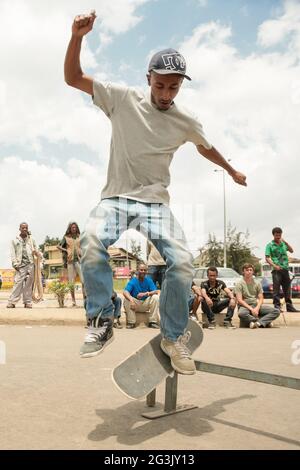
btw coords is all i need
(249, 107)
(47, 198)
(35, 101)
(286, 27)
(36, 105)
(250, 111)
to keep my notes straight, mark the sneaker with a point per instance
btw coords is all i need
(228, 324)
(10, 306)
(270, 325)
(193, 317)
(179, 354)
(117, 324)
(152, 324)
(254, 324)
(130, 326)
(211, 325)
(99, 334)
(291, 308)
(27, 305)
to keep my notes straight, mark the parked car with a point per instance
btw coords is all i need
(296, 287)
(267, 285)
(227, 275)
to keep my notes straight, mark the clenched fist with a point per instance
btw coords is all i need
(83, 24)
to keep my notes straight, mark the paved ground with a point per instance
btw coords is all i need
(52, 399)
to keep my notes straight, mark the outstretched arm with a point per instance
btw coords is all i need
(74, 75)
(214, 156)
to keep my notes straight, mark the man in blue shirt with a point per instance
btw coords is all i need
(141, 295)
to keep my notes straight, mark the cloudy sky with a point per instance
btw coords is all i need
(243, 57)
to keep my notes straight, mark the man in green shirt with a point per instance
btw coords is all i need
(249, 295)
(276, 256)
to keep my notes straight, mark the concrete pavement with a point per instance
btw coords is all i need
(52, 399)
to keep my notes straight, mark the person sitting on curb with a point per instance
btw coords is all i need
(141, 295)
(213, 302)
(194, 301)
(250, 299)
(117, 309)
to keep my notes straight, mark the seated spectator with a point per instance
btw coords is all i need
(194, 301)
(117, 309)
(212, 291)
(250, 299)
(141, 295)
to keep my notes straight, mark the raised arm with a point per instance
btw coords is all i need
(214, 156)
(74, 75)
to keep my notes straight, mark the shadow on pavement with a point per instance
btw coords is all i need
(130, 428)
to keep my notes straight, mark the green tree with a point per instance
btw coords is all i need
(212, 252)
(238, 251)
(136, 249)
(49, 241)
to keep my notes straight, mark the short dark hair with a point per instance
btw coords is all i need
(276, 230)
(212, 268)
(142, 264)
(247, 266)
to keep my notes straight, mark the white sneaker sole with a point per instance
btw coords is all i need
(95, 353)
(180, 371)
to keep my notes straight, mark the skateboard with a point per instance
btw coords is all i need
(146, 368)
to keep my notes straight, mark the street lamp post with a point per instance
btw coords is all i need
(224, 218)
(225, 221)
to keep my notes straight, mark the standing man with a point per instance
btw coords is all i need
(250, 299)
(156, 265)
(141, 295)
(70, 246)
(213, 302)
(23, 250)
(276, 256)
(147, 128)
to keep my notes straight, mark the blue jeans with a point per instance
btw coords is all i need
(117, 303)
(105, 225)
(157, 273)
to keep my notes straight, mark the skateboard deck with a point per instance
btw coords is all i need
(145, 369)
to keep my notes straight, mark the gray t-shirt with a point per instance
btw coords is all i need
(249, 291)
(143, 142)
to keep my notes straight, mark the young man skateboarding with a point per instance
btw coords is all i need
(147, 128)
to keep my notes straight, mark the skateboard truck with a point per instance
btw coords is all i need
(170, 406)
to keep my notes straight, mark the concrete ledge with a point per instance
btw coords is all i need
(43, 316)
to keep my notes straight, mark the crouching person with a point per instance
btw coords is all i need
(141, 295)
(250, 299)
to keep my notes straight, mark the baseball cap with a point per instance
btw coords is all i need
(168, 61)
